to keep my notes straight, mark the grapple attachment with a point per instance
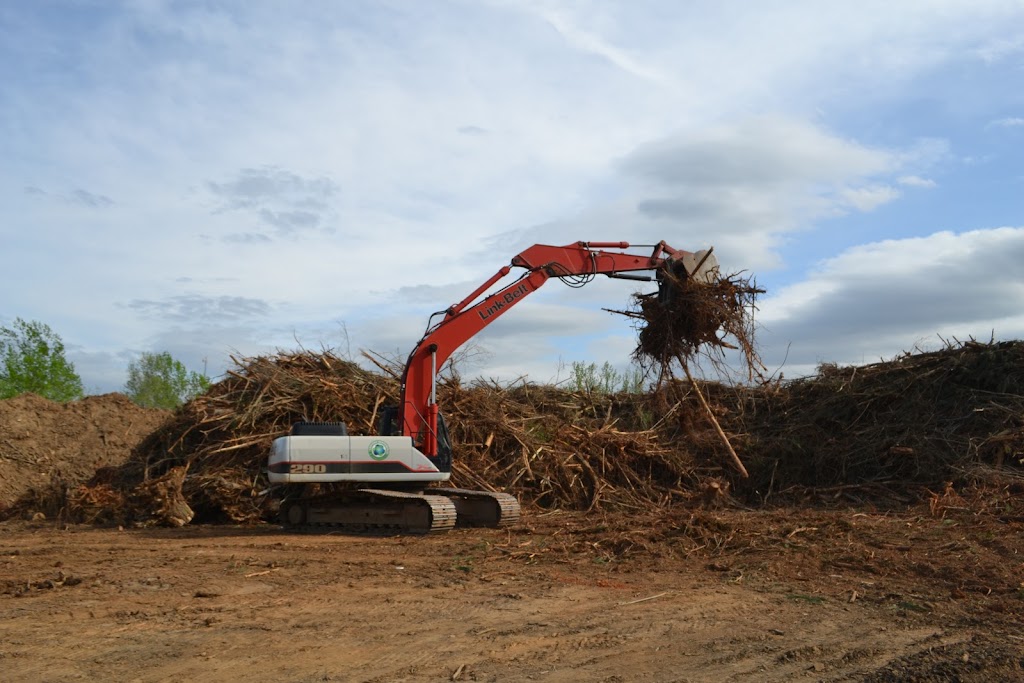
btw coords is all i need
(700, 266)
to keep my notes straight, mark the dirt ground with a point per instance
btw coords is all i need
(924, 594)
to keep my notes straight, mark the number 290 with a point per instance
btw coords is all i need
(307, 468)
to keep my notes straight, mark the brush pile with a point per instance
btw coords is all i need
(692, 315)
(549, 446)
(563, 449)
(222, 438)
(881, 434)
(890, 427)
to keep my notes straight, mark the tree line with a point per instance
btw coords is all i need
(32, 359)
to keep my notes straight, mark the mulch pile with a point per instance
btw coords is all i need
(886, 432)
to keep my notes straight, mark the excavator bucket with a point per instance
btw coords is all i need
(701, 266)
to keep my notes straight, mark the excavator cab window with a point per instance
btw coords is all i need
(387, 425)
(444, 446)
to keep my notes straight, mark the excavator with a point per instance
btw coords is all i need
(389, 482)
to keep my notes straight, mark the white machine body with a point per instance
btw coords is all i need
(322, 459)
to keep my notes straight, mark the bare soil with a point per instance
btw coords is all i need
(841, 595)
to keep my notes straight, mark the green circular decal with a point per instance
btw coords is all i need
(378, 450)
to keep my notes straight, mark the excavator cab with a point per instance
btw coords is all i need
(388, 425)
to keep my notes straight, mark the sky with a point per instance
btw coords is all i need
(225, 179)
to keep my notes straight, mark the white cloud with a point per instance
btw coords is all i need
(998, 49)
(592, 43)
(878, 299)
(1008, 122)
(868, 198)
(916, 181)
(744, 188)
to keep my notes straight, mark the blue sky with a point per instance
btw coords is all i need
(218, 178)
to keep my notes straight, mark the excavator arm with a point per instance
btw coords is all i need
(574, 263)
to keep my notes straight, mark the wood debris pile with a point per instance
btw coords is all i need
(880, 432)
(207, 461)
(918, 420)
(563, 449)
(549, 446)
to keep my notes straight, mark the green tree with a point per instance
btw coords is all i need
(588, 378)
(157, 380)
(32, 357)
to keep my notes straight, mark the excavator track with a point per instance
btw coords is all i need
(371, 511)
(481, 508)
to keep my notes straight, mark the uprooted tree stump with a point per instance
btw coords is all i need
(692, 317)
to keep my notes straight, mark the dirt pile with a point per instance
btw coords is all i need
(44, 443)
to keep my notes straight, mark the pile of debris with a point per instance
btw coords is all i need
(551, 447)
(884, 432)
(207, 462)
(888, 428)
(557, 448)
(881, 431)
